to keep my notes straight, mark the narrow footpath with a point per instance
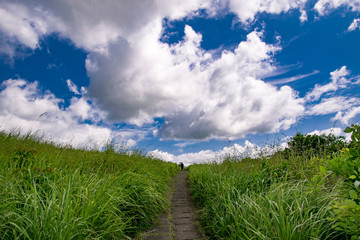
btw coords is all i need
(179, 223)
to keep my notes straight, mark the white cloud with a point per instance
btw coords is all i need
(184, 144)
(135, 77)
(23, 107)
(345, 117)
(346, 108)
(127, 138)
(236, 151)
(294, 78)
(199, 97)
(303, 16)
(95, 26)
(18, 28)
(338, 81)
(354, 25)
(81, 107)
(206, 156)
(334, 131)
(92, 26)
(323, 7)
(25, 100)
(141, 78)
(25, 26)
(334, 104)
(247, 10)
(72, 87)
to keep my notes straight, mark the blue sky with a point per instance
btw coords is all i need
(183, 80)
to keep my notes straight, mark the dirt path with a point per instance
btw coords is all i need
(179, 223)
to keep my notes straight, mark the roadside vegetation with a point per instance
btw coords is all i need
(308, 191)
(56, 192)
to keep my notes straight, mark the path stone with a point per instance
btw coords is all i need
(179, 223)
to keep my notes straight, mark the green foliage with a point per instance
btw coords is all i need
(346, 212)
(346, 215)
(55, 192)
(354, 148)
(315, 145)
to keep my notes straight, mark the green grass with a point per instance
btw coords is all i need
(56, 192)
(273, 198)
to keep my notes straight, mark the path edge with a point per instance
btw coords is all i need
(195, 210)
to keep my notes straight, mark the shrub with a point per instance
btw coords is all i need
(315, 145)
(346, 211)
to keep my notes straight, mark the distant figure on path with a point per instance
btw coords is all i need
(181, 165)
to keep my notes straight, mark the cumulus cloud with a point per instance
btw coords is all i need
(136, 78)
(198, 96)
(236, 151)
(204, 156)
(247, 10)
(95, 26)
(354, 25)
(23, 107)
(303, 16)
(334, 131)
(92, 26)
(24, 26)
(207, 156)
(323, 7)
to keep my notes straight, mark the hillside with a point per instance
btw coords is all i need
(309, 191)
(56, 192)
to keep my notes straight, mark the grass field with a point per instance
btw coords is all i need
(54, 192)
(285, 196)
(309, 191)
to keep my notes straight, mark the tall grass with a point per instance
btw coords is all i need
(56, 192)
(265, 199)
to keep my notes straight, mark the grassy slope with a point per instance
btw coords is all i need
(279, 198)
(51, 192)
